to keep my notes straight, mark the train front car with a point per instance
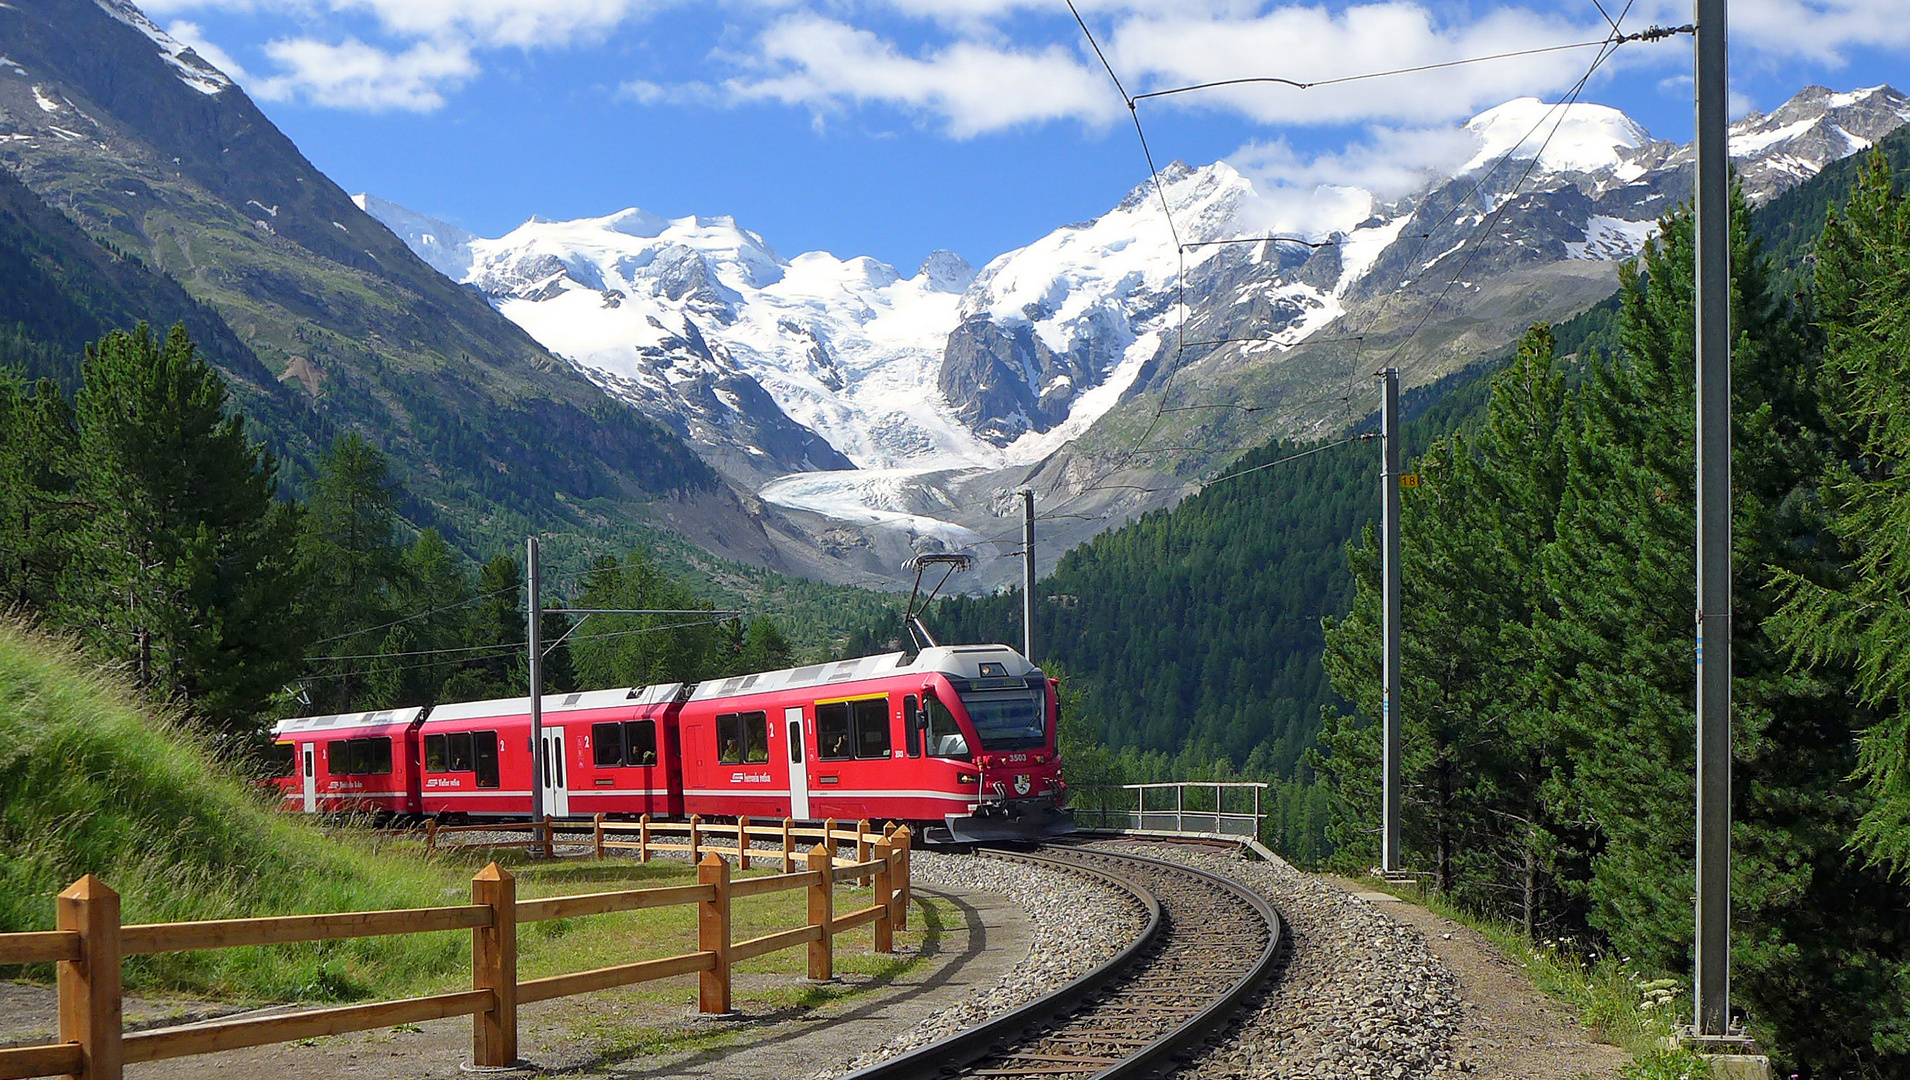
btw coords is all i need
(957, 739)
(988, 706)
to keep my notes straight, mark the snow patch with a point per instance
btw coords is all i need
(46, 104)
(1588, 137)
(1610, 238)
(191, 69)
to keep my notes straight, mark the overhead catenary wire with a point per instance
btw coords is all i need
(1122, 461)
(420, 615)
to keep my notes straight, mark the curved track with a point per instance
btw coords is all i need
(1209, 942)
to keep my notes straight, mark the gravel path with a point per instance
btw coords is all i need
(1079, 923)
(1362, 997)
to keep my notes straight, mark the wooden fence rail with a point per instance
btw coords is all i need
(90, 944)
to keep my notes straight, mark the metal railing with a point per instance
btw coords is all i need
(1196, 806)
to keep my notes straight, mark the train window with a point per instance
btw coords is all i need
(755, 727)
(872, 728)
(358, 757)
(792, 726)
(435, 759)
(280, 758)
(944, 734)
(308, 761)
(832, 732)
(640, 741)
(485, 751)
(374, 756)
(742, 737)
(606, 745)
(729, 739)
(457, 747)
(911, 729)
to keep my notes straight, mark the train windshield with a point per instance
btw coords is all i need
(1007, 718)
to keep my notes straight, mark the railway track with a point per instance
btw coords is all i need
(1208, 944)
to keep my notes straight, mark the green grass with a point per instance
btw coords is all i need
(90, 782)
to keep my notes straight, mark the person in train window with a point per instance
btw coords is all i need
(649, 757)
(729, 754)
(839, 748)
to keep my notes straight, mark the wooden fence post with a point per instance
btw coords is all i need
(643, 839)
(905, 843)
(89, 989)
(598, 839)
(494, 968)
(742, 842)
(696, 840)
(713, 935)
(550, 850)
(885, 896)
(821, 911)
(862, 848)
(829, 838)
(431, 834)
(789, 850)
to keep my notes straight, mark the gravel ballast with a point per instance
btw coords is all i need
(1362, 997)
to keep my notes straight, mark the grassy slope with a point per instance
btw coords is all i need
(90, 784)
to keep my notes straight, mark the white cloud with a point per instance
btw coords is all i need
(972, 87)
(482, 23)
(354, 75)
(1819, 30)
(1314, 44)
(977, 82)
(190, 35)
(1315, 195)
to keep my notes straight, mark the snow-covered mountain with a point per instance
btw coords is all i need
(944, 388)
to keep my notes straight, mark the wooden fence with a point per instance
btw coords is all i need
(89, 944)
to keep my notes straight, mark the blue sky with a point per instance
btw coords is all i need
(895, 127)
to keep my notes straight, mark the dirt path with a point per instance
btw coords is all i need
(1510, 1030)
(651, 1031)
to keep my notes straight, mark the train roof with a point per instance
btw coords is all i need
(960, 661)
(383, 718)
(559, 703)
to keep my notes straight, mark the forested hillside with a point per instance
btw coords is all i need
(1548, 633)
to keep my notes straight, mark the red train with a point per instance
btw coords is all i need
(959, 739)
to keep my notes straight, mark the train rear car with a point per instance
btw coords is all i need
(351, 762)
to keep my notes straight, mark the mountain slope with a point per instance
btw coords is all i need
(150, 150)
(1199, 628)
(1069, 365)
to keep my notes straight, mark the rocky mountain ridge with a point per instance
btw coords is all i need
(947, 388)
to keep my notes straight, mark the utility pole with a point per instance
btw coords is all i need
(1389, 688)
(535, 609)
(1712, 996)
(1028, 573)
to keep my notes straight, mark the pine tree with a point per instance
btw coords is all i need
(1863, 617)
(38, 511)
(180, 569)
(1477, 760)
(1818, 940)
(349, 551)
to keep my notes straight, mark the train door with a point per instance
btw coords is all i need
(308, 768)
(798, 765)
(556, 783)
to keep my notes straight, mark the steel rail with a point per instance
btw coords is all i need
(990, 1047)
